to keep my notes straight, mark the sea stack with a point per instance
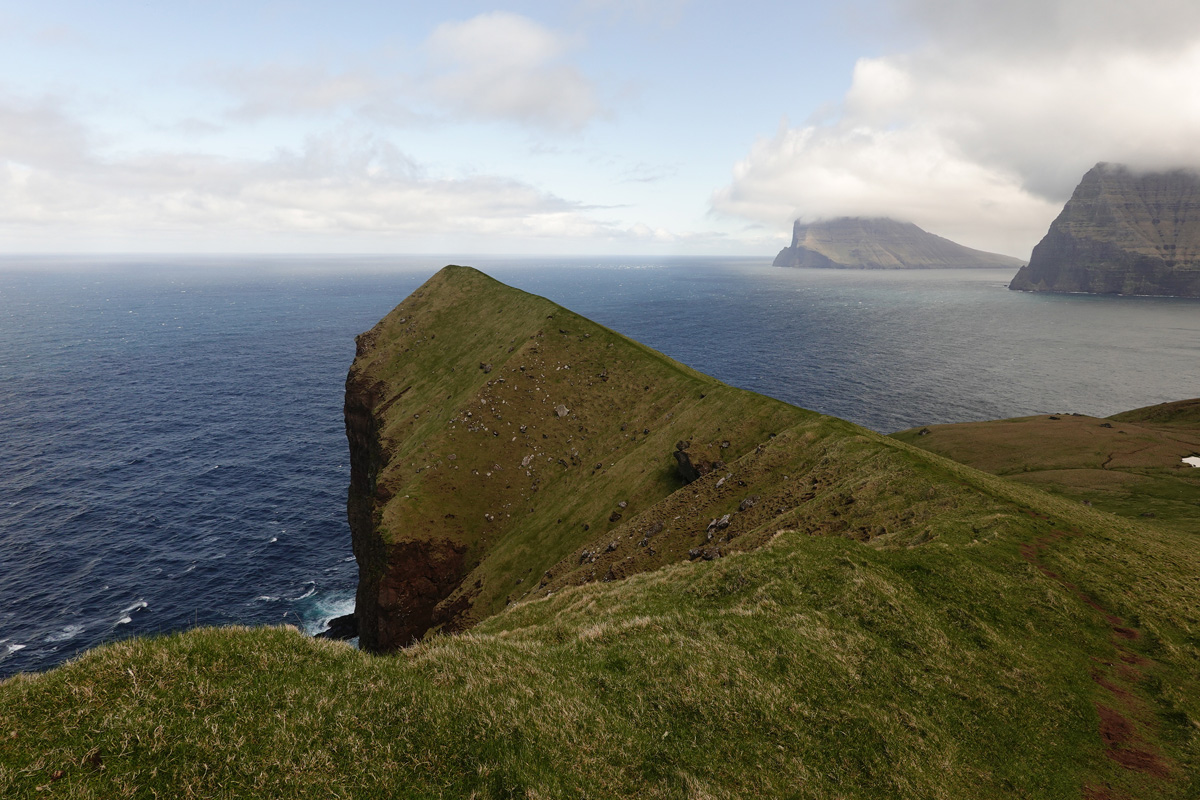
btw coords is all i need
(880, 243)
(1122, 232)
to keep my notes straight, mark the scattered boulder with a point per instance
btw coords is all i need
(561, 411)
(688, 471)
(485, 367)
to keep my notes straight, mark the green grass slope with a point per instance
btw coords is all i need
(494, 434)
(1129, 464)
(879, 621)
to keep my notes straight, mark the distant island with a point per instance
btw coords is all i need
(880, 243)
(1122, 232)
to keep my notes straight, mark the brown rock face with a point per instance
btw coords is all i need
(879, 243)
(1122, 232)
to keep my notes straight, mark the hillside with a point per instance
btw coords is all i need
(879, 243)
(871, 620)
(1122, 232)
(494, 434)
(1129, 464)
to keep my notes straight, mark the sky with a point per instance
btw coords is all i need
(588, 127)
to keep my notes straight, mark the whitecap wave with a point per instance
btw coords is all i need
(312, 589)
(266, 598)
(317, 616)
(124, 621)
(273, 540)
(66, 634)
(137, 606)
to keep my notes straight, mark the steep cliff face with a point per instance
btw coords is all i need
(1122, 232)
(879, 243)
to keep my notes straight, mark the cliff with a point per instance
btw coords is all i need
(494, 434)
(1122, 232)
(879, 243)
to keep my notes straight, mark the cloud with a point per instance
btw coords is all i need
(643, 172)
(295, 89)
(340, 186)
(39, 132)
(1023, 26)
(494, 67)
(505, 66)
(913, 174)
(981, 135)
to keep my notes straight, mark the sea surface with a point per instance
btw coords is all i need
(172, 450)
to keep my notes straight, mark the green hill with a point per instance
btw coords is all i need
(1130, 464)
(874, 620)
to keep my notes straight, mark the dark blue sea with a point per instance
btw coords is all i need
(172, 450)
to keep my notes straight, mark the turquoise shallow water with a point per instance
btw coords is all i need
(171, 442)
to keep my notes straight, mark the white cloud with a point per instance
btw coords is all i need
(282, 89)
(505, 66)
(496, 66)
(913, 174)
(981, 135)
(339, 187)
(39, 132)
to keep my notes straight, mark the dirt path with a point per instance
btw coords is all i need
(1126, 720)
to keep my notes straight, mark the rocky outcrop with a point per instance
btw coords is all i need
(692, 470)
(879, 243)
(1122, 232)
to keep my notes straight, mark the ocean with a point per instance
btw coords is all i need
(172, 450)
